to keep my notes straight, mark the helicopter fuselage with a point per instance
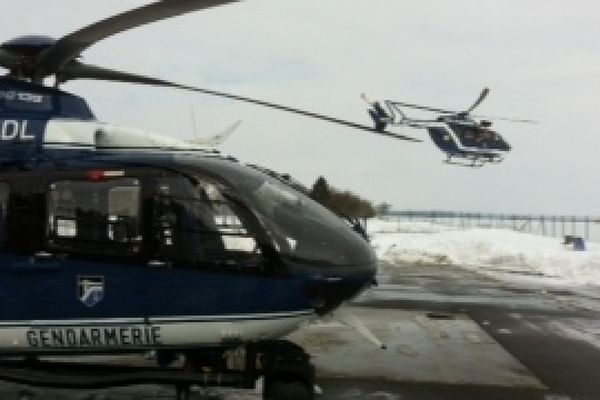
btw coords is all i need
(457, 134)
(110, 246)
(468, 140)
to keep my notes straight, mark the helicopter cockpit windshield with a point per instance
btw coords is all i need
(301, 229)
(478, 137)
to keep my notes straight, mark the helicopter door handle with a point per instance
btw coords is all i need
(325, 279)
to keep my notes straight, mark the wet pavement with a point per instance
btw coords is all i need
(451, 334)
(553, 331)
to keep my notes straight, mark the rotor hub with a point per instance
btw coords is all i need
(24, 50)
(29, 46)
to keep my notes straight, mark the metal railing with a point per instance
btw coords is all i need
(587, 227)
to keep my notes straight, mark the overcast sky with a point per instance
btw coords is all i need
(541, 60)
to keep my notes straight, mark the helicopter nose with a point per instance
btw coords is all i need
(331, 287)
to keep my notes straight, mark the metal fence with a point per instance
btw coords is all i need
(587, 227)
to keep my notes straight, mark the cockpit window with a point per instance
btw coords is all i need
(477, 136)
(299, 228)
(195, 223)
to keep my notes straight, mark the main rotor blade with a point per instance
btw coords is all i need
(70, 46)
(77, 70)
(481, 97)
(424, 108)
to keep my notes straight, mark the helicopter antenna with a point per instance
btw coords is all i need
(214, 140)
(217, 139)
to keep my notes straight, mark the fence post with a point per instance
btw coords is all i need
(543, 224)
(587, 228)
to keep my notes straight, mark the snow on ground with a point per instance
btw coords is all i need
(492, 251)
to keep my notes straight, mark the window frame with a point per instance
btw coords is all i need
(240, 260)
(71, 242)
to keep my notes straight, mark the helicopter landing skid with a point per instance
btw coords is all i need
(81, 376)
(474, 162)
(284, 366)
(470, 164)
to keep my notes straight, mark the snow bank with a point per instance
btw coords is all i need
(488, 250)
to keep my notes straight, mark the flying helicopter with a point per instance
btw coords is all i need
(119, 240)
(466, 139)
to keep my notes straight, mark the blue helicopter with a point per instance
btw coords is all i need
(118, 240)
(465, 140)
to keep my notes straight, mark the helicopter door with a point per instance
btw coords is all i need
(95, 217)
(195, 224)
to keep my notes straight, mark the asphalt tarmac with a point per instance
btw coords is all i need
(552, 331)
(454, 334)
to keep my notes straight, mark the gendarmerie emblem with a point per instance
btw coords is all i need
(90, 289)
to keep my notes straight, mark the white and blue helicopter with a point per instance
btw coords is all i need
(118, 240)
(465, 140)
